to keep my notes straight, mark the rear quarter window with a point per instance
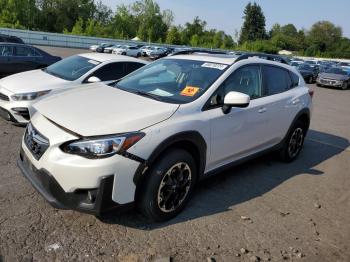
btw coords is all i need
(295, 79)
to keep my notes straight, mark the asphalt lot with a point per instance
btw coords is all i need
(274, 211)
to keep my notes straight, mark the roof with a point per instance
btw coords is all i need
(214, 58)
(229, 58)
(102, 57)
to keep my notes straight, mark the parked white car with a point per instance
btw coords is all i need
(145, 49)
(109, 50)
(149, 138)
(94, 47)
(127, 50)
(153, 49)
(18, 92)
(158, 52)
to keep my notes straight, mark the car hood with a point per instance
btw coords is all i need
(31, 81)
(98, 109)
(333, 76)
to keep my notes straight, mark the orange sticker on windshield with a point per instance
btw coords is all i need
(189, 91)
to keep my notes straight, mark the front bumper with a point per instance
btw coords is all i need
(93, 201)
(330, 83)
(15, 111)
(73, 174)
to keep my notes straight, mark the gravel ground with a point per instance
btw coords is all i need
(262, 210)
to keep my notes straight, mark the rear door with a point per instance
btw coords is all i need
(6, 60)
(25, 58)
(281, 101)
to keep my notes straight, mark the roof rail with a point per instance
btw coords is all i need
(270, 57)
(191, 51)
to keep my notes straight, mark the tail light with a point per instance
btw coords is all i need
(311, 93)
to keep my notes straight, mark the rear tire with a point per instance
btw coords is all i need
(294, 142)
(168, 187)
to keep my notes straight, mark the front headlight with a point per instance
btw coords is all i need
(101, 147)
(29, 96)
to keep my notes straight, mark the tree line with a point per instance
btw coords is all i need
(146, 20)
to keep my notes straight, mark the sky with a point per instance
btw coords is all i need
(227, 15)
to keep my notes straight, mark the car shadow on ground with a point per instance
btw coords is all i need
(223, 191)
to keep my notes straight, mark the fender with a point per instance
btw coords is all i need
(304, 111)
(182, 139)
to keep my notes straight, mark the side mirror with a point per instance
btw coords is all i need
(93, 79)
(235, 99)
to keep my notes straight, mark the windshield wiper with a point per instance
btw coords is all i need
(138, 92)
(145, 94)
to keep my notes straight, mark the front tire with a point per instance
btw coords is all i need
(168, 186)
(294, 142)
(345, 86)
(310, 80)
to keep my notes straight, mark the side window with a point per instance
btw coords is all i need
(277, 80)
(246, 79)
(24, 51)
(295, 79)
(6, 50)
(113, 71)
(131, 67)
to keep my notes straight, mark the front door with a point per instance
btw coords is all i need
(242, 131)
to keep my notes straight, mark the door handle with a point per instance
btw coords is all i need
(262, 110)
(296, 101)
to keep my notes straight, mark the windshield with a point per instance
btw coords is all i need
(71, 68)
(337, 71)
(304, 67)
(173, 80)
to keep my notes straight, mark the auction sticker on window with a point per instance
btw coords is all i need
(214, 65)
(189, 91)
(93, 62)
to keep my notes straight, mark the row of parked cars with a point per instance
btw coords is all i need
(153, 52)
(111, 131)
(324, 72)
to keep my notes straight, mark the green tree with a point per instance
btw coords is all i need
(173, 36)
(197, 27)
(194, 40)
(254, 24)
(78, 28)
(152, 25)
(324, 36)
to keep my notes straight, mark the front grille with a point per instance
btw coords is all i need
(327, 81)
(35, 142)
(4, 97)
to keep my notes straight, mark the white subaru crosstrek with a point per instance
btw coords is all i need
(150, 137)
(19, 91)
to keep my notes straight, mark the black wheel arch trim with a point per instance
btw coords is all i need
(192, 137)
(304, 111)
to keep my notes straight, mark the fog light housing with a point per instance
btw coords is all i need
(22, 111)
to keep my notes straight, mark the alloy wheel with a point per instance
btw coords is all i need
(295, 142)
(174, 187)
